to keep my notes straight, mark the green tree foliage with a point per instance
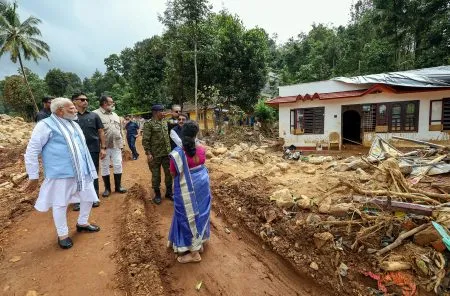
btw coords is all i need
(264, 113)
(383, 35)
(62, 83)
(16, 94)
(147, 73)
(21, 39)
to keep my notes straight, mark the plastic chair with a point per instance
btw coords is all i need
(334, 139)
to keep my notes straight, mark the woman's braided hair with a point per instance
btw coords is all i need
(188, 134)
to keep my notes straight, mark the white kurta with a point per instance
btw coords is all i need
(54, 192)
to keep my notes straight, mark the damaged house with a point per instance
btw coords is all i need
(412, 104)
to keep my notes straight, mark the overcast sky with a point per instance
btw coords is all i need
(81, 33)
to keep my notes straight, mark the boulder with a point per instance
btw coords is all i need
(313, 219)
(340, 210)
(19, 178)
(209, 154)
(309, 170)
(260, 151)
(304, 202)
(362, 175)
(283, 198)
(320, 239)
(220, 150)
(244, 146)
(283, 166)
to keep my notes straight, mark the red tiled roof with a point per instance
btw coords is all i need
(376, 88)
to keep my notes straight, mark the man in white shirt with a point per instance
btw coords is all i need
(68, 168)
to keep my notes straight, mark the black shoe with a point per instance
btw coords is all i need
(157, 200)
(89, 228)
(76, 207)
(65, 243)
(169, 194)
(107, 183)
(95, 204)
(117, 183)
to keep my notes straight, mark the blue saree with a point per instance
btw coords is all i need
(192, 205)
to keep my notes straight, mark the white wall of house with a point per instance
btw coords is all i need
(325, 86)
(333, 118)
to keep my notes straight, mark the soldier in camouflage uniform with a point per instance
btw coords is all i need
(156, 144)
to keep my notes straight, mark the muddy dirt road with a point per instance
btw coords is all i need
(235, 263)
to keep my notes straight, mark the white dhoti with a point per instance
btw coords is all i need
(62, 192)
(58, 194)
(113, 155)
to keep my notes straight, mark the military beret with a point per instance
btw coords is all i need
(157, 107)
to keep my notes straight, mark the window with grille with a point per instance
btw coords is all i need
(369, 117)
(307, 120)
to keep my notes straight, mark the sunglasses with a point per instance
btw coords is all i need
(177, 111)
(83, 100)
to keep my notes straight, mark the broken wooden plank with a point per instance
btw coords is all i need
(421, 142)
(392, 205)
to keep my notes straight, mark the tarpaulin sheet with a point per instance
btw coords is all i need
(427, 77)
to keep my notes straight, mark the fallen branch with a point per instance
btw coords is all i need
(402, 237)
(388, 193)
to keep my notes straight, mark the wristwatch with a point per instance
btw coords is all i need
(103, 147)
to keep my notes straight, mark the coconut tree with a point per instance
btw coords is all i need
(20, 39)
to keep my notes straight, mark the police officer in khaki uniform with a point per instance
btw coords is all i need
(156, 144)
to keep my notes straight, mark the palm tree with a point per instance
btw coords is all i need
(19, 39)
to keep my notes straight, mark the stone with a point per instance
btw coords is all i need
(313, 219)
(341, 167)
(260, 151)
(244, 146)
(209, 154)
(15, 259)
(362, 175)
(102, 273)
(343, 269)
(358, 163)
(31, 293)
(340, 210)
(283, 166)
(283, 198)
(329, 165)
(304, 202)
(215, 160)
(19, 178)
(426, 236)
(309, 170)
(220, 151)
(320, 239)
(5, 117)
(314, 266)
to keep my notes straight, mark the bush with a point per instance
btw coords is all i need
(264, 113)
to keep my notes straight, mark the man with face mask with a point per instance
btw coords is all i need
(68, 169)
(113, 145)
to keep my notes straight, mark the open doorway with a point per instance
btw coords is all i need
(351, 127)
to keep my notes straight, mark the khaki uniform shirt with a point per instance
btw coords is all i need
(155, 138)
(112, 128)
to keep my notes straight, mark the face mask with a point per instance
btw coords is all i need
(113, 108)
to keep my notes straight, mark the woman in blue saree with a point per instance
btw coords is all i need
(192, 197)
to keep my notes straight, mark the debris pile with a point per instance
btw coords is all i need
(14, 135)
(14, 131)
(383, 216)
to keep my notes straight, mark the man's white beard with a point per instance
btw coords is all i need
(70, 117)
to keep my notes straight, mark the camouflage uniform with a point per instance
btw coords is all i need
(156, 141)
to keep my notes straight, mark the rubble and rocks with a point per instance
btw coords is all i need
(373, 207)
(14, 131)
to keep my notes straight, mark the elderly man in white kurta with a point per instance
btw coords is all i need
(68, 169)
